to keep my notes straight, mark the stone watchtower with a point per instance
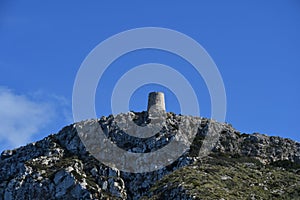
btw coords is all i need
(156, 102)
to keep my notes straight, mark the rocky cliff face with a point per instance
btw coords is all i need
(240, 166)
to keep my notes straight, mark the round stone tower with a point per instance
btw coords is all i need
(156, 102)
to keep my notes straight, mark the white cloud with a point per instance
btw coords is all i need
(22, 117)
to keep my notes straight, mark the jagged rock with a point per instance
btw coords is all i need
(6, 154)
(61, 167)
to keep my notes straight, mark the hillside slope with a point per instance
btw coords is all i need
(240, 166)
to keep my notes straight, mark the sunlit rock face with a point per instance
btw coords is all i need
(62, 166)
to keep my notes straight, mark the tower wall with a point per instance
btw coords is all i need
(156, 102)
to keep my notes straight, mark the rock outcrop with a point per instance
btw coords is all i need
(61, 167)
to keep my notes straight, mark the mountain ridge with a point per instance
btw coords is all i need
(60, 167)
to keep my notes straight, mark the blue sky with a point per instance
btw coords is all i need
(255, 44)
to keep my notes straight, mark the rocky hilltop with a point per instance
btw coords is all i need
(239, 165)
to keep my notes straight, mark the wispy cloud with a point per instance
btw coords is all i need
(24, 116)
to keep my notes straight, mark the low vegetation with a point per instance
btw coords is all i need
(230, 177)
